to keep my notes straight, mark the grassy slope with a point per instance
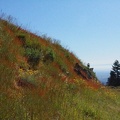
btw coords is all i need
(50, 89)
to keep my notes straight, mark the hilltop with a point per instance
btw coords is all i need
(41, 80)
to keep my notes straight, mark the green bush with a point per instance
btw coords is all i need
(32, 52)
(49, 55)
(32, 43)
(33, 55)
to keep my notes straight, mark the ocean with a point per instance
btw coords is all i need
(102, 76)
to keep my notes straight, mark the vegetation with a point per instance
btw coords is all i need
(114, 79)
(38, 81)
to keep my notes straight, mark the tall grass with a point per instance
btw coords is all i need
(7, 56)
(62, 102)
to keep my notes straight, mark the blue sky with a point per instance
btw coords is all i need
(89, 28)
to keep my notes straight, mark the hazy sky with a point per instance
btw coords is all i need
(89, 28)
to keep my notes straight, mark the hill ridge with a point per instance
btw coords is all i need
(39, 79)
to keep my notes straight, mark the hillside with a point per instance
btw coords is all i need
(41, 80)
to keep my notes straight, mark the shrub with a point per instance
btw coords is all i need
(32, 52)
(33, 55)
(49, 55)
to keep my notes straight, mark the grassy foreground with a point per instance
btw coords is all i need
(62, 102)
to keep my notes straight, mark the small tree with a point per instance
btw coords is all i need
(114, 79)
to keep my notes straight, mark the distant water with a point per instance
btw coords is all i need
(103, 76)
